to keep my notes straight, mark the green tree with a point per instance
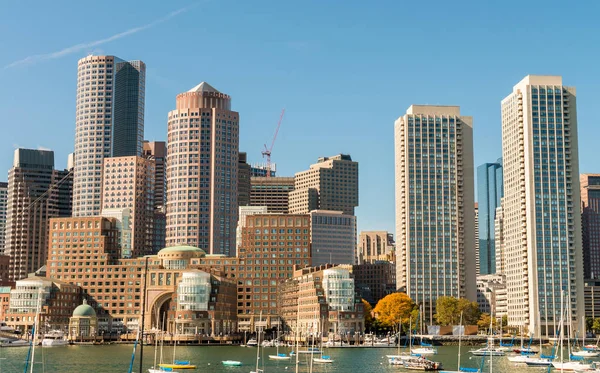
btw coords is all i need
(448, 310)
(589, 324)
(484, 323)
(596, 325)
(395, 308)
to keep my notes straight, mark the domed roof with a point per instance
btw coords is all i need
(84, 310)
(177, 249)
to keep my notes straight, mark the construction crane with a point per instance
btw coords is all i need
(267, 152)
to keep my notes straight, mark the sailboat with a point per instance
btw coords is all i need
(543, 360)
(575, 362)
(155, 368)
(397, 359)
(585, 352)
(489, 350)
(461, 369)
(257, 370)
(425, 348)
(177, 364)
(279, 356)
(324, 358)
(34, 333)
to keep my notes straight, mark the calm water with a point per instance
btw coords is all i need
(115, 358)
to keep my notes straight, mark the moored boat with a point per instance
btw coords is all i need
(231, 363)
(54, 338)
(178, 364)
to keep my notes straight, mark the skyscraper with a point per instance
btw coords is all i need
(244, 172)
(541, 227)
(434, 205)
(376, 246)
(109, 122)
(489, 193)
(36, 193)
(477, 239)
(3, 201)
(330, 184)
(590, 206)
(202, 171)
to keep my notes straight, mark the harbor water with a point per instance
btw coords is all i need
(116, 358)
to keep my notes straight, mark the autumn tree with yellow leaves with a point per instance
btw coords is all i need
(395, 308)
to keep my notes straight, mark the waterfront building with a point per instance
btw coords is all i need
(591, 295)
(590, 207)
(123, 224)
(109, 123)
(374, 280)
(4, 301)
(376, 246)
(330, 184)
(244, 185)
(491, 294)
(3, 210)
(272, 192)
(332, 237)
(542, 226)
(324, 299)
(128, 183)
(84, 322)
(273, 246)
(55, 300)
(114, 286)
(202, 171)
(243, 213)
(36, 193)
(434, 205)
(489, 192)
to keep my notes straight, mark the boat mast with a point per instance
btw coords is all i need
(35, 328)
(459, 340)
(258, 341)
(143, 314)
(297, 330)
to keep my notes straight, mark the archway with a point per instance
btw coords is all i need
(159, 311)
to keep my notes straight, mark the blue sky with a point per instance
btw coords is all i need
(343, 70)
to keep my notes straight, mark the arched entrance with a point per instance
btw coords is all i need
(159, 310)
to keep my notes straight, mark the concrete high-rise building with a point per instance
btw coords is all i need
(202, 171)
(157, 151)
(3, 203)
(477, 239)
(128, 183)
(375, 246)
(590, 207)
(489, 193)
(332, 237)
(109, 122)
(273, 192)
(542, 226)
(330, 184)
(36, 193)
(244, 172)
(435, 223)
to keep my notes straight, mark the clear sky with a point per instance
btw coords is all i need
(344, 70)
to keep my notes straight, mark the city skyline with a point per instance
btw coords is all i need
(299, 57)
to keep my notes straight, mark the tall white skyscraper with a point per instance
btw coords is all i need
(435, 218)
(541, 214)
(109, 122)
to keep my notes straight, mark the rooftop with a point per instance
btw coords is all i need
(204, 87)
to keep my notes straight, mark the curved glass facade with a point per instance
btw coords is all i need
(193, 291)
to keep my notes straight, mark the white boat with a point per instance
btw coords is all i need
(421, 363)
(14, 343)
(54, 338)
(324, 359)
(461, 369)
(424, 351)
(486, 351)
(521, 359)
(267, 344)
(231, 363)
(161, 370)
(252, 342)
(586, 353)
(572, 365)
(310, 350)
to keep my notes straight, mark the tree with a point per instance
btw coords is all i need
(393, 309)
(448, 310)
(484, 322)
(596, 325)
(589, 324)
